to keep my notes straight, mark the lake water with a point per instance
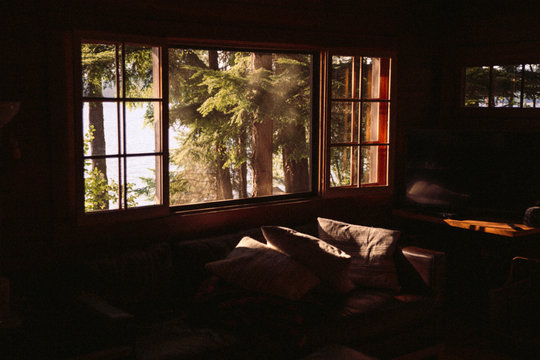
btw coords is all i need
(140, 138)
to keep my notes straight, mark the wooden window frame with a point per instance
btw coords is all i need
(385, 153)
(161, 149)
(164, 209)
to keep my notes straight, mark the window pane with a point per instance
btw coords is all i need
(531, 96)
(506, 85)
(375, 122)
(476, 86)
(343, 166)
(239, 124)
(141, 180)
(374, 165)
(375, 78)
(344, 69)
(142, 118)
(142, 72)
(101, 185)
(98, 70)
(344, 123)
(100, 128)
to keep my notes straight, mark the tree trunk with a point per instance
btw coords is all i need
(242, 154)
(97, 144)
(262, 131)
(223, 174)
(295, 171)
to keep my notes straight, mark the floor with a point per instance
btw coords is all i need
(471, 342)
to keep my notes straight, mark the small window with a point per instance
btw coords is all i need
(502, 86)
(121, 123)
(358, 118)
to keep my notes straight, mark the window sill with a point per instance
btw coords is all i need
(367, 192)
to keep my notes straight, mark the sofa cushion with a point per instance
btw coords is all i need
(371, 249)
(257, 267)
(270, 323)
(365, 317)
(326, 261)
(138, 280)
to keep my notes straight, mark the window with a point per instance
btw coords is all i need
(239, 124)
(192, 127)
(121, 106)
(502, 86)
(162, 125)
(358, 118)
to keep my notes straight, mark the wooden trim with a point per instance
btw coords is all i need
(240, 45)
(324, 142)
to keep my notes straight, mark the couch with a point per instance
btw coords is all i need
(161, 301)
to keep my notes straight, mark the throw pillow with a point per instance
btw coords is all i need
(255, 266)
(371, 249)
(328, 262)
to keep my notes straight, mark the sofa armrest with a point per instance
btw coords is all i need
(430, 266)
(100, 307)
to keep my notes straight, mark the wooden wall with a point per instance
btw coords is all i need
(36, 216)
(480, 33)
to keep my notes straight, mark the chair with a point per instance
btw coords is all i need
(515, 310)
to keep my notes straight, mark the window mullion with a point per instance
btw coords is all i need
(123, 186)
(164, 86)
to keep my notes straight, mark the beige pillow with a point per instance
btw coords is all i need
(255, 266)
(372, 251)
(328, 262)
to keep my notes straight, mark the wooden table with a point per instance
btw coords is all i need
(502, 228)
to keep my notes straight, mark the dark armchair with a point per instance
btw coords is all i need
(515, 309)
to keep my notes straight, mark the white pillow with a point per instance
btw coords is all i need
(255, 266)
(372, 251)
(326, 261)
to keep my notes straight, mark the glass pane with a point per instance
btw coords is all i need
(531, 96)
(100, 128)
(239, 124)
(343, 72)
(142, 118)
(142, 70)
(98, 70)
(343, 166)
(141, 180)
(506, 85)
(476, 86)
(374, 165)
(375, 122)
(101, 190)
(375, 78)
(344, 122)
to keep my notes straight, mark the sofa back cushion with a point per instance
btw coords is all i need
(191, 256)
(135, 278)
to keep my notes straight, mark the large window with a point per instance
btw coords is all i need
(359, 118)
(235, 125)
(162, 125)
(502, 86)
(239, 124)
